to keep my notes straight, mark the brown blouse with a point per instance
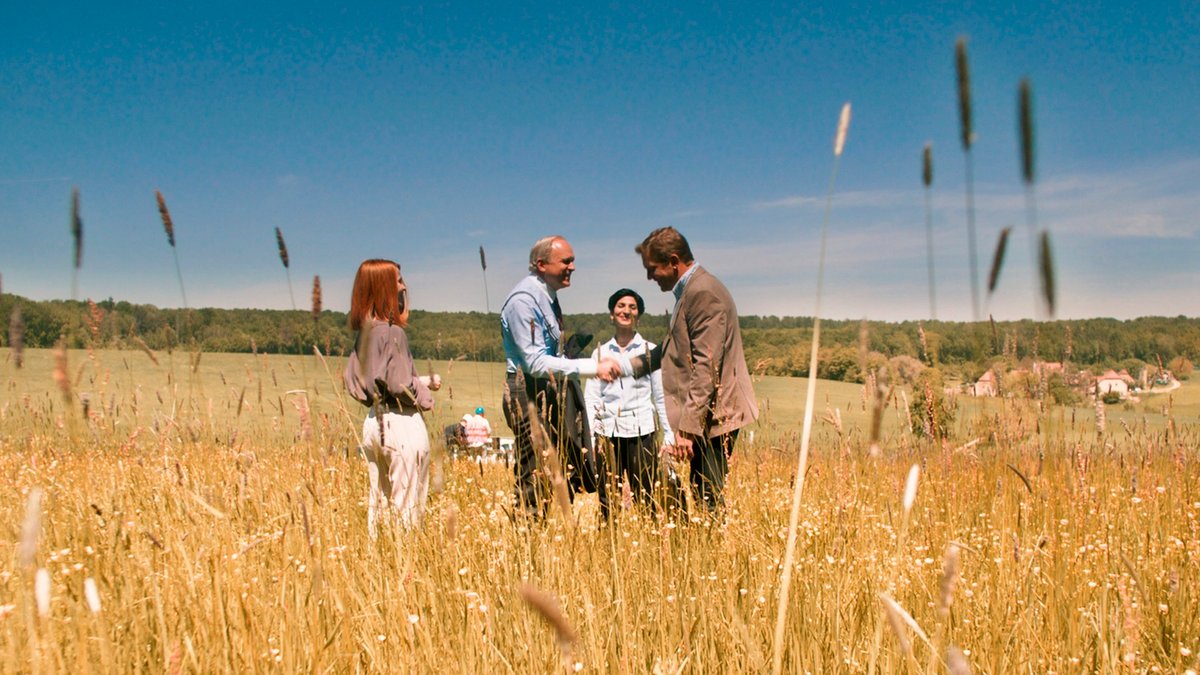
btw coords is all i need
(381, 369)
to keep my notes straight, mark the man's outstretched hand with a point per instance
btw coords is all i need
(608, 369)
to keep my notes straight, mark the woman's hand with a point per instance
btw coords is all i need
(434, 381)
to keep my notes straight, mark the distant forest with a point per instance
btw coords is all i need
(774, 345)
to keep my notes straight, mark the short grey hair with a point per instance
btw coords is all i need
(541, 250)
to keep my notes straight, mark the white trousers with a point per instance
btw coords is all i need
(397, 454)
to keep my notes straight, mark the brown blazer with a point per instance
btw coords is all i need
(705, 380)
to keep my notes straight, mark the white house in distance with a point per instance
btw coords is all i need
(986, 386)
(1112, 381)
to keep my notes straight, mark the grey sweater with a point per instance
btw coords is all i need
(381, 369)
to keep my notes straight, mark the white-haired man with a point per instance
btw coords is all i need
(538, 372)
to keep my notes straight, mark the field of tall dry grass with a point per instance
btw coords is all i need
(208, 514)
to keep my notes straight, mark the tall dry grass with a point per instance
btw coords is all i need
(219, 537)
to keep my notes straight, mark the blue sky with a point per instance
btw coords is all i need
(420, 132)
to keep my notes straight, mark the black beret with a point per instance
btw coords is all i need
(626, 292)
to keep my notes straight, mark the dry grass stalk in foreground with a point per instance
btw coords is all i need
(548, 608)
(61, 376)
(967, 136)
(839, 145)
(927, 180)
(16, 336)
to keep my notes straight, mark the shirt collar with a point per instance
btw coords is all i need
(546, 289)
(677, 290)
(635, 344)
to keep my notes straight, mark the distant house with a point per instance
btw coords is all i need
(986, 386)
(1112, 381)
(1046, 368)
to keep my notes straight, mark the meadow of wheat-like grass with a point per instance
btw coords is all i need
(188, 525)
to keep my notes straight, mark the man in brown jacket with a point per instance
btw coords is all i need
(705, 380)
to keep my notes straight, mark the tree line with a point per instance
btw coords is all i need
(774, 345)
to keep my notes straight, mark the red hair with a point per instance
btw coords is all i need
(375, 295)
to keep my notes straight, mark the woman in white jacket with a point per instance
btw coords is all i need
(629, 411)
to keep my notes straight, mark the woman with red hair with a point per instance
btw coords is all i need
(382, 376)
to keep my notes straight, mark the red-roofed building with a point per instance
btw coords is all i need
(1112, 381)
(986, 386)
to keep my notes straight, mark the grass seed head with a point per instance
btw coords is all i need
(31, 528)
(316, 298)
(283, 254)
(76, 228)
(1046, 271)
(41, 592)
(910, 488)
(1025, 113)
(927, 165)
(896, 622)
(949, 579)
(61, 378)
(839, 141)
(145, 349)
(92, 595)
(547, 606)
(168, 226)
(956, 661)
(998, 260)
(964, 93)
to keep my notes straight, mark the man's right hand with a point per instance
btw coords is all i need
(683, 446)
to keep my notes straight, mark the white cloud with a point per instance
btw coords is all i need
(793, 202)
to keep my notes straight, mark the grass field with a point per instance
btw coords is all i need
(219, 513)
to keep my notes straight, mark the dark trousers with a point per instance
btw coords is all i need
(559, 406)
(710, 463)
(638, 463)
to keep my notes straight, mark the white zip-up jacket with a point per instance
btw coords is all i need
(627, 406)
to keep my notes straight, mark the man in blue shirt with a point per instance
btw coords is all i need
(538, 373)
